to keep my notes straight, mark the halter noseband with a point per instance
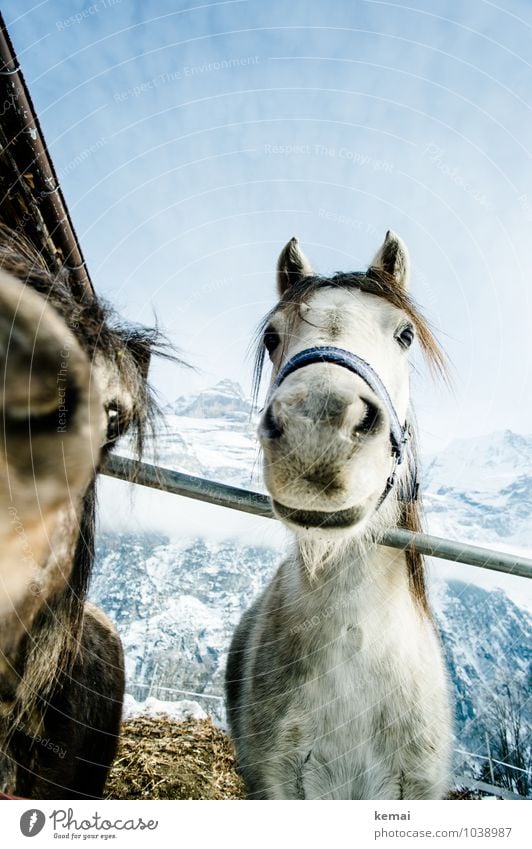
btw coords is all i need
(399, 434)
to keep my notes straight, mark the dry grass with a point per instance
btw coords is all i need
(464, 793)
(160, 758)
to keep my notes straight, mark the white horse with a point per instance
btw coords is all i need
(336, 686)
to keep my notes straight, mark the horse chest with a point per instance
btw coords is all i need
(359, 673)
(360, 703)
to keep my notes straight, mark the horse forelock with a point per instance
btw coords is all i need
(374, 281)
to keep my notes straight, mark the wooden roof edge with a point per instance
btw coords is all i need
(32, 179)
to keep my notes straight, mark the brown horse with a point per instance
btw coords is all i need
(74, 379)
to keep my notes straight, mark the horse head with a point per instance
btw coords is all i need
(335, 428)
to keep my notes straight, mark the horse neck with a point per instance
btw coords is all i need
(54, 640)
(349, 567)
(360, 567)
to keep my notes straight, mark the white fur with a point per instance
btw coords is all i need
(336, 683)
(368, 324)
(373, 653)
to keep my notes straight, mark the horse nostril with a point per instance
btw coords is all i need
(271, 428)
(370, 422)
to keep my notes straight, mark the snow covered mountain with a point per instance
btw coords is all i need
(484, 464)
(481, 489)
(177, 597)
(226, 400)
(212, 435)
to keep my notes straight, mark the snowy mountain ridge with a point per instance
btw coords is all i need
(484, 464)
(225, 399)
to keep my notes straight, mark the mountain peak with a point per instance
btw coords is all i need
(229, 386)
(483, 463)
(225, 399)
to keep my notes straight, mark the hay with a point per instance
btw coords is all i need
(464, 793)
(161, 758)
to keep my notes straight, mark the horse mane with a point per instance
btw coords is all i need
(374, 281)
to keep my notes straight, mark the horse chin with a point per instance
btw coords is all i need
(335, 522)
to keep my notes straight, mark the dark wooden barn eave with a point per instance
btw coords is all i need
(31, 200)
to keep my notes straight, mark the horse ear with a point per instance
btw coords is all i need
(292, 266)
(393, 258)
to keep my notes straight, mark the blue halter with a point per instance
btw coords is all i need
(399, 434)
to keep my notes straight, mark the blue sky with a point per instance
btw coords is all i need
(193, 139)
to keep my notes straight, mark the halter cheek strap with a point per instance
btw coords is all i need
(399, 434)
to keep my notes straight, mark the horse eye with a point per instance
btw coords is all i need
(113, 423)
(405, 337)
(271, 340)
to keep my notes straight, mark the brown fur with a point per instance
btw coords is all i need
(62, 675)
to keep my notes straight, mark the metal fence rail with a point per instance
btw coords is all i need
(475, 784)
(212, 492)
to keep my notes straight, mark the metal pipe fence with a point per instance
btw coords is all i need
(258, 504)
(476, 784)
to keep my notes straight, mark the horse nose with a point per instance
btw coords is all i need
(271, 427)
(358, 415)
(369, 419)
